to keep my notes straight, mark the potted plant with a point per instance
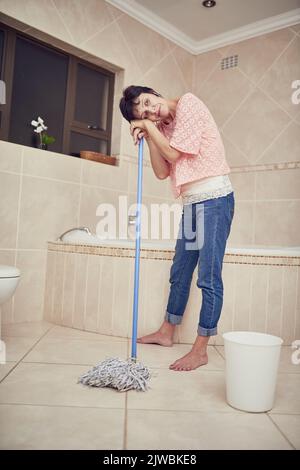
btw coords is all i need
(44, 138)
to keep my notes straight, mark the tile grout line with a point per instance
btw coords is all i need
(221, 355)
(18, 227)
(101, 30)
(61, 406)
(155, 367)
(28, 351)
(279, 430)
(60, 16)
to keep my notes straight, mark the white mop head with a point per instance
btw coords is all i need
(119, 374)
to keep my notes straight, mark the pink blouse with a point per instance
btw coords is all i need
(194, 133)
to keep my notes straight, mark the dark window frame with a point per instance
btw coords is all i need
(70, 124)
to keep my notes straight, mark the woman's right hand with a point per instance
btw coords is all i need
(138, 134)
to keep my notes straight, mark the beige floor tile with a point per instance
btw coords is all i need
(49, 427)
(5, 368)
(172, 390)
(18, 346)
(221, 351)
(26, 329)
(290, 427)
(202, 431)
(285, 364)
(157, 356)
(55, 384)
(74, 351)
(65, 332)
(287, 394)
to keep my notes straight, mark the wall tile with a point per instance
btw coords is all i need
(29, 296)
(139, 38)
(9, 204)
(42, 15)
(277, 223)
(93, 286)
(51, 165)
(68, 300)
(282, 184)
(289, 312)
(10, 156)
(48, 208)
(256, 55)
(94, 17)
(244, 276)
(285, 147)
(251, 129)
(6, 310)
(80, 291)
(274, 305)
(278, 84)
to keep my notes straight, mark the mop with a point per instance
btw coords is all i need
(116, 373)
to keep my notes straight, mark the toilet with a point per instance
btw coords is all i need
(9, 279)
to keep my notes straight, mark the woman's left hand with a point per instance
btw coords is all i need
(138, 129)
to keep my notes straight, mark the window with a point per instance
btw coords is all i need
(74, 97)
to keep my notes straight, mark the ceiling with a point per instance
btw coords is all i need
(197, 29)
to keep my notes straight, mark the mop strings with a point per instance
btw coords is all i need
(119, 374)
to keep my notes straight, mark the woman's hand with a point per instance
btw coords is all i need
(138, 129)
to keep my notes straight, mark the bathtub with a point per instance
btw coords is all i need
(89, 286)
(83, 238)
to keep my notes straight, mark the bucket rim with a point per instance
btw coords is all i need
(229, 336)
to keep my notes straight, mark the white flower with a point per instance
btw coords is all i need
(40, 120)
(34, 123)
(38, 129)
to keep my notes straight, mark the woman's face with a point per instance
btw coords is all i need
(151, 107)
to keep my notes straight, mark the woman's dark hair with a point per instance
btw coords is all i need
(127, 102)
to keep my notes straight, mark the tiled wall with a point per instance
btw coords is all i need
(43, 194)
(260, 292)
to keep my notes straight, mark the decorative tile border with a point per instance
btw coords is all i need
(234, 169)
(167, 255)
(266, 167)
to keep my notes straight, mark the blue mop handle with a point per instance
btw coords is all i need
(137, 251)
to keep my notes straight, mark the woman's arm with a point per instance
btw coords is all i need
(161, 142)
(160, 166)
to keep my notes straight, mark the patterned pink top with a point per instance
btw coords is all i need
(194, 133)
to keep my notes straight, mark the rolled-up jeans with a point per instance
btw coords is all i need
(203, 232)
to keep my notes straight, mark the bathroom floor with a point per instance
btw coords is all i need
(43, 407)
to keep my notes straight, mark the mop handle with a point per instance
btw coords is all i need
(137, 251)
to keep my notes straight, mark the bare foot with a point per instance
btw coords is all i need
(164, 336)
(156, 338)
(190, 361)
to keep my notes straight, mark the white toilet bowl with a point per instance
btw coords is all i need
(9, 279)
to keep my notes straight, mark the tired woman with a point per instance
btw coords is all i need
(185, 145)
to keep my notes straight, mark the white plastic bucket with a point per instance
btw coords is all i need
(252, 361)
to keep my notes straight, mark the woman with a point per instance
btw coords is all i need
(185, 144)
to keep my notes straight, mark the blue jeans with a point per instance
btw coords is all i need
(203, 232)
